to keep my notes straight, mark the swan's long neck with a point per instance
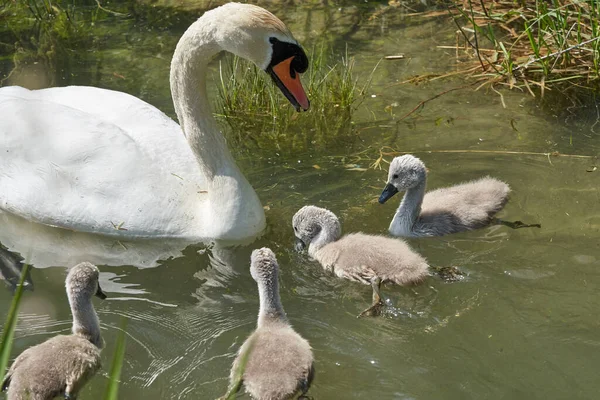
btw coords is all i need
(85, 319)
(232, 203)
(270, 303)
(190, 61)
(406, 216)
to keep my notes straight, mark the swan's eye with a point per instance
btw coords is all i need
(296, 229)
(300, 61)
(284, 50)
(395, 176)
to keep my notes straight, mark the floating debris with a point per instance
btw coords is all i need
(449, 274)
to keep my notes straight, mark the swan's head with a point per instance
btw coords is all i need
(308, 223)
(405, 173)
(254, 33)
(263, 266)
(82, 281)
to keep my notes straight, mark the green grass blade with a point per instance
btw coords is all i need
(237, 379)
(112, 389)
(11, 323)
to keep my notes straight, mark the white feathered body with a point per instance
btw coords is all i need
(96, 160)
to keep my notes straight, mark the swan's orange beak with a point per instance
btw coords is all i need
(289, 83)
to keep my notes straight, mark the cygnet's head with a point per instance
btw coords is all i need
(256, 34)
(82, 281)
(405, 173)
(309, 221)
(263, 266)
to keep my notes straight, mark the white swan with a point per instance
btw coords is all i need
(101, 161)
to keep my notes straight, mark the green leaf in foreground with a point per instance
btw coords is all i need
(112, 390)
(9, 326)
(238, 373)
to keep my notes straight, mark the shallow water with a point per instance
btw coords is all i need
(522, 324)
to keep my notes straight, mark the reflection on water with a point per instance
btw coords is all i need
(11, 270)
(45, 246)
(521, 325)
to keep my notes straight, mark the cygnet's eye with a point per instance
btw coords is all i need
(296, 229)
(395, 176)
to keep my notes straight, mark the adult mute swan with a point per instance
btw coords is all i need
(457, 208)
(368, 259)
(62, 365)
(101, 161)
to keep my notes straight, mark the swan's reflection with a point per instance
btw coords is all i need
(11, 269)
(45, 246)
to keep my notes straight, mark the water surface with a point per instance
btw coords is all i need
(522, 324)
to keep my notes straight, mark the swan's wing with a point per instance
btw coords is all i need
(67, 167)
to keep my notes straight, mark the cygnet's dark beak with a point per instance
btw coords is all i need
(300, 245)
(100, 293)
(388, 191)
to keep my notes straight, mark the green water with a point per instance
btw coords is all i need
(524, 322)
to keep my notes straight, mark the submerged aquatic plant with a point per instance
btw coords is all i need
(56, 33)
(258, 116)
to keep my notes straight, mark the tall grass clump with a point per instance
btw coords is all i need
(260, 117)
(534, 45)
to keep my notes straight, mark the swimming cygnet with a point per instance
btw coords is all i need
(275, 362)
(63, 364)
(462, 207)
(368, 259)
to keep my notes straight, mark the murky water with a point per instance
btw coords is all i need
(522, 325)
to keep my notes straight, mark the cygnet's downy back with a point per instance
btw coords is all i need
(278, 361)
(368, 259)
